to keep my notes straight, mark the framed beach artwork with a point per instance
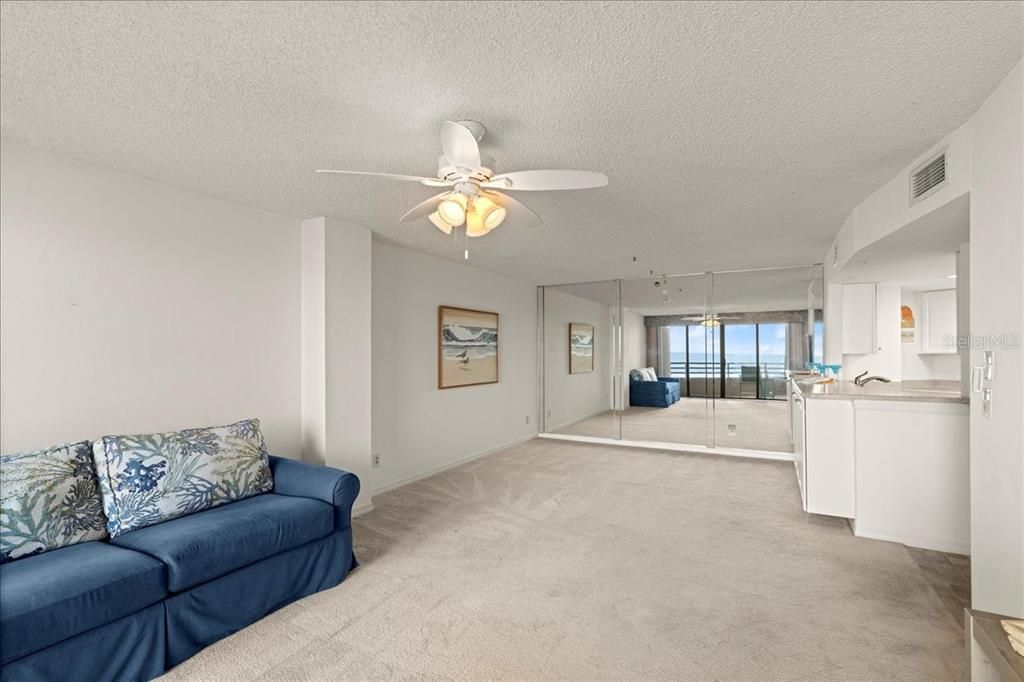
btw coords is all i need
(581, 348)
(467, 347)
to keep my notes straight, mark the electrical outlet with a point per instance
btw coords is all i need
(527, 419)
(376, 460)
(732, 429)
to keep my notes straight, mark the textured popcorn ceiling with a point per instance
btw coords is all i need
(735, 135)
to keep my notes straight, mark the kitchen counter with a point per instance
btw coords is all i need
(915, 391)
(893, 458)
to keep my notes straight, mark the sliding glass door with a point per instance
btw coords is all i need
(772, 360)
(741, 370)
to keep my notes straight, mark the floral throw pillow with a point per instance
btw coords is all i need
(156, 477)
(48, 499)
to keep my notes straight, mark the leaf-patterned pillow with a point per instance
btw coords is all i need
(48, 499)
(156, 477)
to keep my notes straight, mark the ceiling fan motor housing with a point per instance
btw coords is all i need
(449, 172)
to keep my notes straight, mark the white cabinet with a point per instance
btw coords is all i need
(913, 474)
(938, 321)
(823, 453)
(797, 428)
(859, 319)
(828, 457)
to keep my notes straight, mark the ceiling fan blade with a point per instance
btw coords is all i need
(424, 208)
(520, 214)
(459, 145)
(429, 182)
(542, 180)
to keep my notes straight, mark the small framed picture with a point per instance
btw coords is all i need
(581, 348)
(467, 351)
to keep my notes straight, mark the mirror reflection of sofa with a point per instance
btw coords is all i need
(647, 389)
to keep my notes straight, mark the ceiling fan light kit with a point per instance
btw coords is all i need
(439, 222)
(452, 209)
(471, 199)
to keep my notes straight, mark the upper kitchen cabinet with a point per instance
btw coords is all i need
(859, 319)
(938, 322)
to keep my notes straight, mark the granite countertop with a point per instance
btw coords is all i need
(915, 391)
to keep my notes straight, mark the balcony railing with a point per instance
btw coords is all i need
(740, 378)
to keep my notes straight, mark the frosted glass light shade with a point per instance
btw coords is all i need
(475, 224)
(439, 223)
(491, 213)
(453, 210)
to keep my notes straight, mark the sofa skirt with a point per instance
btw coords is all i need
(209, 612)
(128, 649)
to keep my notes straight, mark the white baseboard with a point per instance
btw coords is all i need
(676, 447)
(451, 465)
(936, 544)
(361, 509)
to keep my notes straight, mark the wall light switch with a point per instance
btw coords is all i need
(989, 364)
(986, 402)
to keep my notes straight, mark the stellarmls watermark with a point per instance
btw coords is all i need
(982, 342)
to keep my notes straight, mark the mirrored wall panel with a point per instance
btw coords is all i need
(769, 326)
(671, 377)
(700, 359)
(582, 359)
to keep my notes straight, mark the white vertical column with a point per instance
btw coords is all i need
(313, 345)
(336, 347)
(997, 321)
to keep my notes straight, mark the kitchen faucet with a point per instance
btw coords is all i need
(862, 379)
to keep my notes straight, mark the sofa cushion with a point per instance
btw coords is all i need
(204, 546)
(48, 598)
(149, 478)
(48, 499)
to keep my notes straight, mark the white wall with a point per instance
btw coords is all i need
(997, 311)
(914, 365)
(568, 398)
(888, 208)
(418, 428)
(988, 151)
(128, 306)
(336, 348)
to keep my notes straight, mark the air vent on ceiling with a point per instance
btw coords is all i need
(928, 178)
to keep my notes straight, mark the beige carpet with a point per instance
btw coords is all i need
(557, 560)
(759, 424)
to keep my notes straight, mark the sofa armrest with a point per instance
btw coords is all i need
(327, 484)
(671, 380)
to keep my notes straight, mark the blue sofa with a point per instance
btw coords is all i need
(661, 393)
(135, 606)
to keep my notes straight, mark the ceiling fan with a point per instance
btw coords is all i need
(471, 197)
(710, 320)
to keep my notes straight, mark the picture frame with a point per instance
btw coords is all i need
(581, 348)
(467, 347)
